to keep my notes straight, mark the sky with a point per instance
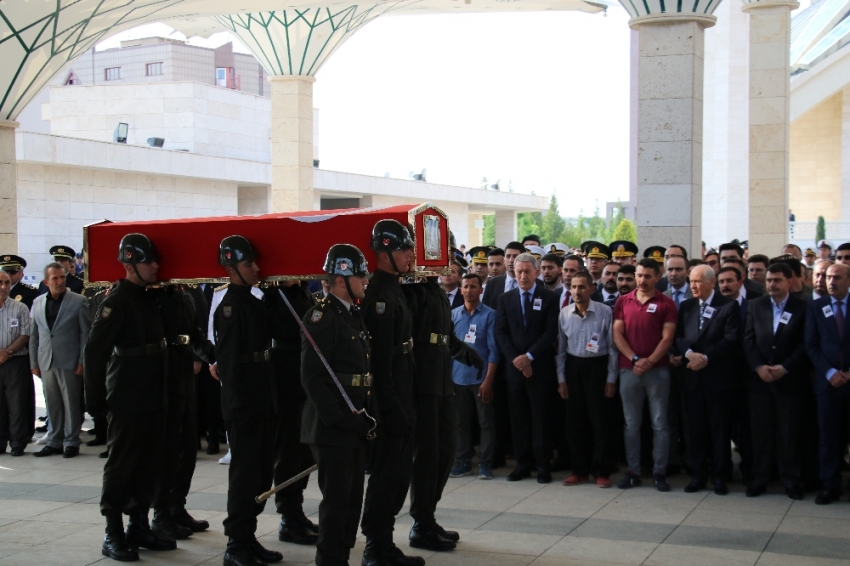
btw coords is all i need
(536, 100)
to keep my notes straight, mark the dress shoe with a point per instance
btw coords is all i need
(104, 454)
(660, 481)
(575, 479)
(47, 451)
(17, 451)
(184, 519)
(166, 527)
(519, 474)
(391, 555)
(213, 448)
(603, 482)
(142, 536)
(42, 418)
(42, 428)
(116, 548)
(96, 442)
(696, 485)
(371, 553)
(795, 492)
(240, 555)
(263, 554)
(755, 490)
(720, 487)
(544, 476)
(497, 463)
(451, 535)
(71, 451)
(673, 470)
(827, 496)
(297, 531)
(429, 538)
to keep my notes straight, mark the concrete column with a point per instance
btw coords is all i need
(292, 143)
(845, 156)
(505, 226)
(8, 188)
(669, 168)
(770, 98)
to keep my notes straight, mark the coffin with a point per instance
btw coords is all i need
(290, 245)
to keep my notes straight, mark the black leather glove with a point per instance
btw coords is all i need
(471, 357)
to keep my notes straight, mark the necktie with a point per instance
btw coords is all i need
(839, 319)
(526, 300)
(702, 306)
(566, 300)
(678, 296)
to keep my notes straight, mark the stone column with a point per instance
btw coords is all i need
(505, 226)
(845, 156)
(669, 168)
(8, 188)
(770, 99)
(292, 143)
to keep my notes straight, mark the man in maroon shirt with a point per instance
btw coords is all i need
(644, 330)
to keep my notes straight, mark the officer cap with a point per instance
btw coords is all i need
(623, 248)
(656, 253)
(346, 260)
(557, 249)
(11, 262)
(62, 252)
(136, 248)
(390, 235)
(810, 252)
(479, 254)
(536, 251)
(825, 244)
(595, 250)
(234, 249)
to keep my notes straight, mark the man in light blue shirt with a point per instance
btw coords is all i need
(475, 324)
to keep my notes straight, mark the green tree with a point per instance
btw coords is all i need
(488, 235)
(553, 224)
(820, 231)
(528, 223)
(625, 231)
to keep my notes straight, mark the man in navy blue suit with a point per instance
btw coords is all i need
(828, 345)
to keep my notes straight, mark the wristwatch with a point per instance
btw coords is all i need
(635, 358)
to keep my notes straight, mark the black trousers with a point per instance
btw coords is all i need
(531, 420)
(833, 420)
(591, 419)
(709, 425)
(775, 425)
(341, 482)
(291, 456)
(502, 414)
(435, 443)
(389, 479)
(132, 468)
(209, 405)
(179, 452)
(742, 432)
(17, 402)
(251, 469)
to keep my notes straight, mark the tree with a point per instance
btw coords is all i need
(625, 231)
(529, 223)
(488, 235)
(820, 231)
(553, 224)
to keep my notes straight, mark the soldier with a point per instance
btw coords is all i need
(179, 450)
(623, 252)
(595, 256)
(390, 324)
(291, 456)
(96, 298)
(243, 336)
(436, 416)
(65, 256)
(337, 434)
(21, 292)
(125, 364)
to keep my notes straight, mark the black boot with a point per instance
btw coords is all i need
(451, 535)
(429, 538)
(371, 554)
(184, 519)
(391, 555)
(114, 543)
(163, 524)
(239, 554)
(297, 530)
(264, 554)
(140, 534)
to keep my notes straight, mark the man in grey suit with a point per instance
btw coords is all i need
(61, 324)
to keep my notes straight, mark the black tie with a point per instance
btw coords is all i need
(527, 309)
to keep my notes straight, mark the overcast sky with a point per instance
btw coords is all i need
(537, 99)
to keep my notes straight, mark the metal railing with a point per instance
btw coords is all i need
(836, 232)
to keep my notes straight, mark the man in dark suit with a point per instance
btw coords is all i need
(451, 284)
(502, 283)
(828, 346)
(775, 351)
(706, 336)
(526, 331)
(609, 293)
(673, 251)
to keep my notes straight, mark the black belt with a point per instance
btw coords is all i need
(147, 350)
(404, 348)
(256, 357)
(439, 339)
(181, 340)
(356, 379)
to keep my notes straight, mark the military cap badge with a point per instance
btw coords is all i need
(317, 316)
(380, 308)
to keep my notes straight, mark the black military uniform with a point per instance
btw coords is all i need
(20, 291)
(390, 323)
(436, 416)
(125, 367)
(62, 254)
(243, 336)
(96, 298)
(336, 435)
(291, 456)
(179, 450)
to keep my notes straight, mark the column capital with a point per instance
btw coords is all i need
(704, 20)
(755, 4)
(283, 78)
(9, 124)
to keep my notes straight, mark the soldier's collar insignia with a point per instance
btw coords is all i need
(227, 311)
(317, 316)
(19, 298)
(6, 258)
(380, 308)
(105, 312)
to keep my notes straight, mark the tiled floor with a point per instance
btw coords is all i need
(49, 515)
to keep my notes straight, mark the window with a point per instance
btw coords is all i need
(72, 80)
(153, 69)
(112, 74)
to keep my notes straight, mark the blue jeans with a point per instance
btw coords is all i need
(655, 385)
